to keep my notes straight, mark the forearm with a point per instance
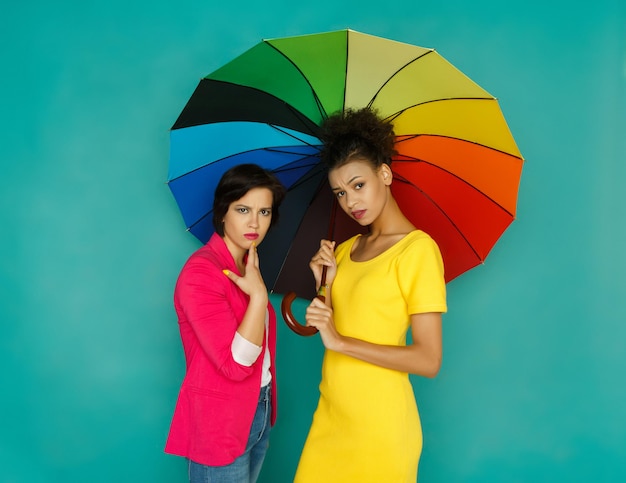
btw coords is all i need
(252, 327)
(414, 359)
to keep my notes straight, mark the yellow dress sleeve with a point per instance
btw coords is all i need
(421, 276)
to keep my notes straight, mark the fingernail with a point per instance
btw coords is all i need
(226, 272)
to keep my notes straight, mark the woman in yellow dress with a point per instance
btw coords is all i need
(366, 427)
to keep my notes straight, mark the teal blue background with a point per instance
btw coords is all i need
(532, 387)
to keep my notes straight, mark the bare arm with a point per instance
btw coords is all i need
(422, 357)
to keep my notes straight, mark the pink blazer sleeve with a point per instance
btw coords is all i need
(213, 307)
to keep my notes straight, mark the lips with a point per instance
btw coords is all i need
(358, 214)
(251, 236)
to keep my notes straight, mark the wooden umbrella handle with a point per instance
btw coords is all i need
(290, 320)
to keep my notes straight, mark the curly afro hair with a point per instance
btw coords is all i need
(356, 134)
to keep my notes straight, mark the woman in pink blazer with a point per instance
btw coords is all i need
(227, 401)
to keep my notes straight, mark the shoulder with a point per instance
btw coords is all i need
(419, 249)
(202, 263)
(345, 247)
(418, 240)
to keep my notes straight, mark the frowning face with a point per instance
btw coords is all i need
(362, 190)
(247, 220)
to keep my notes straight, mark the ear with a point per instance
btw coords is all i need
(386, 173)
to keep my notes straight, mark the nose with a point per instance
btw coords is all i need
(254, 221)
(350, 200)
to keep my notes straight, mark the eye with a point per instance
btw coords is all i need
(358, 186)
(266, 212)
(340, 194)
(242, 209)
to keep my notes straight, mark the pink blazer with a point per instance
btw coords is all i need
(218, 396)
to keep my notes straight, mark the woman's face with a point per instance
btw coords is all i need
(362, 191)
(247, 220)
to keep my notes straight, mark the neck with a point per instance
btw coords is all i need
(391, 221)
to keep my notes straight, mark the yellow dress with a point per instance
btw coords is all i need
(366, 427)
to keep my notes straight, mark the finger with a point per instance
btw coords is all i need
(318, 260)
(316, 319)
(325, 257)
(318, 304)
(328, 253)
(230, 275)
(327, 260)
(317, 322)
(253, 257)
(314, 303)
(327, 245)
(313, 311)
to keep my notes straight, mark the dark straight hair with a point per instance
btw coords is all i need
(234, 185)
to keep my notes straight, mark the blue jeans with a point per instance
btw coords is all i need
(246, 468)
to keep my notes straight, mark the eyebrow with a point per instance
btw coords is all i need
(349, 182)
(241, 205)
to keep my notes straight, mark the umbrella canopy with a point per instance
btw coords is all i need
(456, 175)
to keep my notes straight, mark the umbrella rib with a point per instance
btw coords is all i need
(274, 126)
(293, 168)
(392, 117)
(434, 203)
(343, 105)
(199, 219)
(417, 160)
(272, 149)
(307, 128)
(305, 178)
(407, 137)
(315, 97)
(215, 161)
(369, 104)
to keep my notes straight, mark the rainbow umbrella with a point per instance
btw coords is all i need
(456, 175)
